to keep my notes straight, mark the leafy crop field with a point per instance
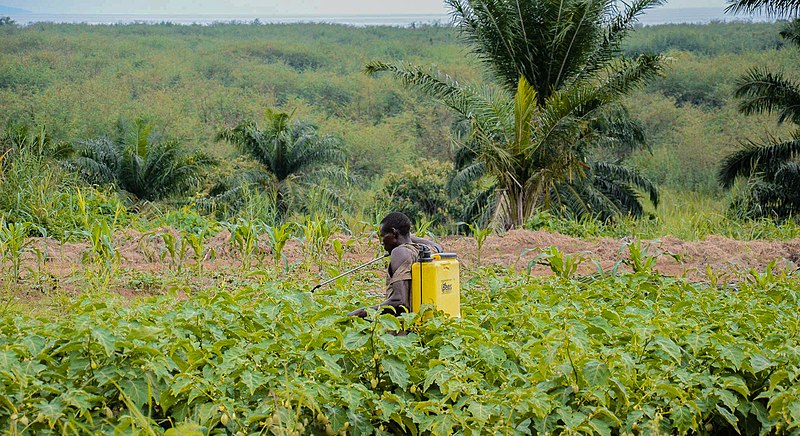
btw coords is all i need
(636, 353)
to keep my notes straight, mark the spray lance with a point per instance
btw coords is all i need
(348, 272)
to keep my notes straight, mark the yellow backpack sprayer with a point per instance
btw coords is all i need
(434, 280)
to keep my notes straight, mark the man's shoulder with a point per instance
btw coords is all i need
(407, 250)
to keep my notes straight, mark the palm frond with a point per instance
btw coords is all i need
(628, 74)
(754, 158)
(619, 26)
(791, 32)
(765, 91)
(770, 7)
(621, 175)
(462, 179)
(616, 131)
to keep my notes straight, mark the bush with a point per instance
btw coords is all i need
(420, 191)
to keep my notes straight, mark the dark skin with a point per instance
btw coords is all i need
(391, 238)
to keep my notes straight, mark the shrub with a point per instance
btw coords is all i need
(420, 191)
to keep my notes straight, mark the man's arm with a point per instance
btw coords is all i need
(398, 298)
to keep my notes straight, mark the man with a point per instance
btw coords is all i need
(395, 235)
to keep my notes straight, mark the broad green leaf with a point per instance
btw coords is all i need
(481, 412)
(600, 426)
(682, 418)
(730, 417)
(252, 380)
(596, 373)
(389, 405)
(396, 370)
(442, 424)
(136, 390)
(145, 333)
(438, 374)
(351, 396)
(493, 355)
(733, 354)
(354, 340)
(105, 338)
(389, 322)
(736, 384)
(668, 346)
(52, 410)
(186, 429)
(760, 363)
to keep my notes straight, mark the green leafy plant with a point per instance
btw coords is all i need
(14, 243)
(176, 249)
(290, 154)
(102, 258)
(245, 237)
(771, 167)
(200, 250)
(480, 235)
(278, 236)
(592, 357)
(561, 264)
(315, 234)
(140, 163)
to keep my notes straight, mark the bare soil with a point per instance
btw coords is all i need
(143, 255)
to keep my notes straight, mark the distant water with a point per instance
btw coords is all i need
(652, 17)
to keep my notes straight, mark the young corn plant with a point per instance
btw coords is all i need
(562, 265)
(642, 259)
(339, 249)
(200, 250)
(14, 243)
(423, 228)
(315, 235)
(244, 237)
(176, 249)
(278, 236)
(480, 235)
(102, 258)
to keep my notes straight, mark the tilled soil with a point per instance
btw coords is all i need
(145, 253)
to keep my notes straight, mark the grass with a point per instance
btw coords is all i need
(688, 216)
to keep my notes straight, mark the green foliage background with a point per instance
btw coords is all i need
(79, 79)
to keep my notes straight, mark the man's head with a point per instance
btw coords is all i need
(394, 231)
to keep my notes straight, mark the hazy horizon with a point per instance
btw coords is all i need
(272, 7)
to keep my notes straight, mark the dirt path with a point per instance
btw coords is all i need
(145, 254)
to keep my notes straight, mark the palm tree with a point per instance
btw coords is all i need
(560, 70)
(773, 166)
(292, 156)
(140, 163)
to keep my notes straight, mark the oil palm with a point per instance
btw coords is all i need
(138, 162)
(292, 156)
(773, 166)
(559, 69)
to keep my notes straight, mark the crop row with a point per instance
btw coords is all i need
(635, 354)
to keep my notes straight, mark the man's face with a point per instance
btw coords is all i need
(388, 237)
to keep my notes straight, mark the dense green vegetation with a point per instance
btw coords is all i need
(246, 349)
(561, 73)
(635, 353)
(772, 166)
(78, 81)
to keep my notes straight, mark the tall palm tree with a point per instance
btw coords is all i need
(292, 155)
(140, 163)
(560, 69)
(773, 166)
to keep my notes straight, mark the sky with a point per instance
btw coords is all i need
(276, 7)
